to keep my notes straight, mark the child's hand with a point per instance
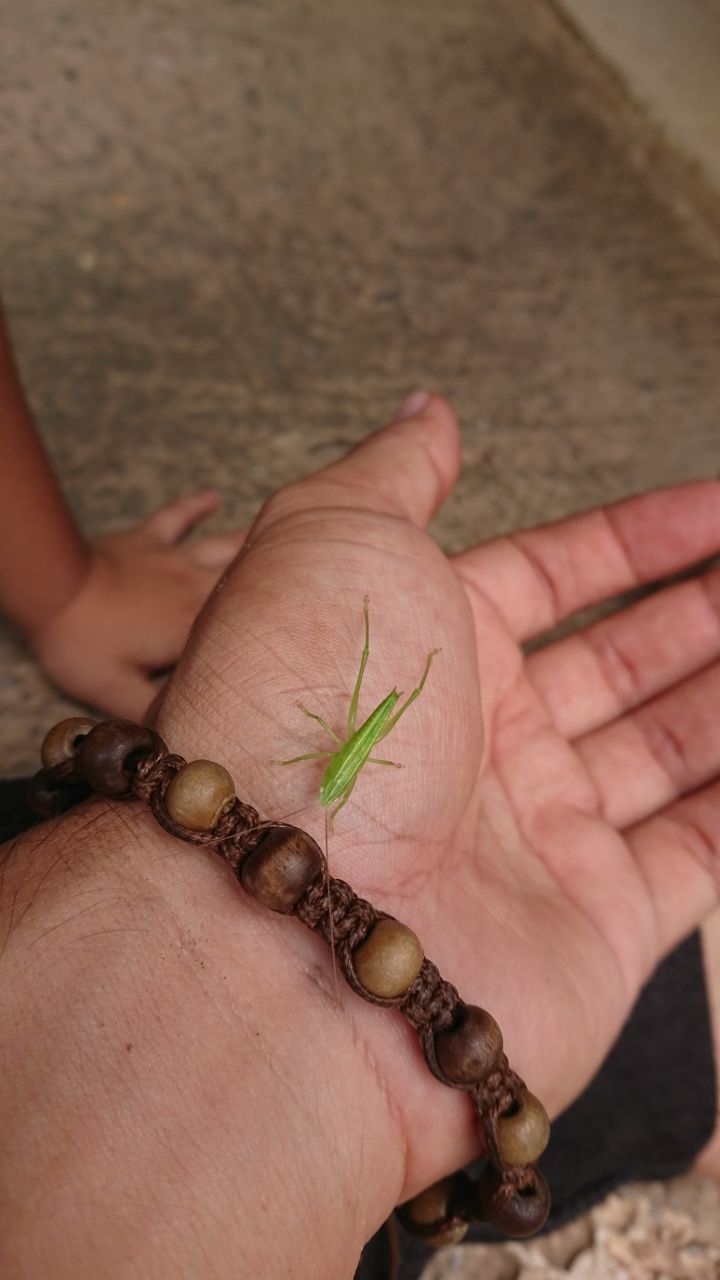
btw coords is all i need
(134, 609)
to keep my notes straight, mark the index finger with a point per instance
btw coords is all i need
(538, 577)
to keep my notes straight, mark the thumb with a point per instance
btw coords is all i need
(406, 469)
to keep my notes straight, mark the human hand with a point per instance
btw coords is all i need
(541, 839)
(548, 841)
(133, 609)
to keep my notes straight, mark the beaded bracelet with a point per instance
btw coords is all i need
(381, 958)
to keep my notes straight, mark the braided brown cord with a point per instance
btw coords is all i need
(332, 909)
(154, 771)
(431, 1003)
(491, 1098)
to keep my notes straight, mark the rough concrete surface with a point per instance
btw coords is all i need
(234, 235)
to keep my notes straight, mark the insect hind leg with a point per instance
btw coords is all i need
(408, 701)
(346, 796)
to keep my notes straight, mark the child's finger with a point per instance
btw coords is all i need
(216, 553)
(175, 518)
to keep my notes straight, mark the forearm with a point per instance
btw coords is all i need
(44, 557)
(181, 1092)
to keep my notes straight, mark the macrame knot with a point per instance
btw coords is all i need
(431, 1001)
(153, 772)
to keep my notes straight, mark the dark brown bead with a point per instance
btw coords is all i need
(515, 1210)
(389, 959)
(62, 741)
(199, 794)
(45, 798)
(281, 867)
(471, 1048)
(524, 1130)
(45, 801)
(432, 1214)
(107, 755)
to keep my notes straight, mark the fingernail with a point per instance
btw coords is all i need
(415, 403)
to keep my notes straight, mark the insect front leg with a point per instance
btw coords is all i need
(311, 755)
(313, 716)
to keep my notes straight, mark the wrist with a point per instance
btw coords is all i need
(159, 990)
(57, 583)
(46, 559)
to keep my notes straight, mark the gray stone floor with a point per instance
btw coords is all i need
(234, 235)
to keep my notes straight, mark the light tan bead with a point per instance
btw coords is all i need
(388, 960)
(432, 1207)
(61, 742)
(524, 1130)
(451, 1234)
(199, 795)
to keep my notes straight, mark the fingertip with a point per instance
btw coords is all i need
(406, 468)
(412, 405)
(175, 518)
(410, 465)
(428, 421)
(210, 496)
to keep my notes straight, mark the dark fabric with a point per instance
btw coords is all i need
(645, 1115)
(15, 812)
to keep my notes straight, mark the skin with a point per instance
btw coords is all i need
(182, 1092)
(100, 615)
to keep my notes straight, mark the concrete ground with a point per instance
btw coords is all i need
(234, 235)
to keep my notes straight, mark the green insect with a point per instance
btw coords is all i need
(345, 764)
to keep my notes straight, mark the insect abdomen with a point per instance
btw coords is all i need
(346, 764)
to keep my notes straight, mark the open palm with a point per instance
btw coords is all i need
(554, 830)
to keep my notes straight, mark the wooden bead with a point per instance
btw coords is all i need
(281, 867)
(107, 755)
(433, 1209)
(44, 801)
(62, 741)
(516, 1211)
(524, 1130)
(452, 1233)
(388, 960)
(199, 794)
(471, 1048)
(431, 1205)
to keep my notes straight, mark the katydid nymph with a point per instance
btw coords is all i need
(344, 764)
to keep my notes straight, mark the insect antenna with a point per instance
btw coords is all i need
(331, 929)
